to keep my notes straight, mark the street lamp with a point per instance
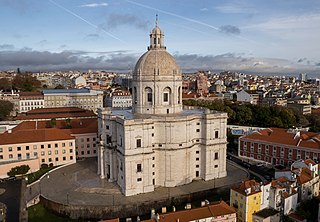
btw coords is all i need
(67, 197)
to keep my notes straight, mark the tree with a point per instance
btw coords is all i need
(5, 84)
(68, 123)
(243, 115)
(25, 82)
(53, 122)
(18, 170)
(5, 108)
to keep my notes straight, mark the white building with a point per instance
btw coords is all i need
(247, 97)
(81, 98)
(157, 143)
(119, 99)
(30, 100)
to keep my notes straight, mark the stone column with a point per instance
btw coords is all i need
(111, 179)
(102, 173)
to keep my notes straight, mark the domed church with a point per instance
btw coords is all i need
(158, 143)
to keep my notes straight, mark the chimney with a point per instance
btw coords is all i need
(9, 130)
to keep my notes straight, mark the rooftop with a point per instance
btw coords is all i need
(40, 131)
(287, 137)
(267, 212)
(247, 187)
(213, 210)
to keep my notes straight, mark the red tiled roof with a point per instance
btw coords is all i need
(282, 136)
(247, 184)
(305, 176)
(49, 113)
(308, 161)
(213, 210)
(38, 131)
(57, 110)
(29, 136)
(78, 126)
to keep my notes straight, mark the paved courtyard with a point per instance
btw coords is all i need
(79, 184)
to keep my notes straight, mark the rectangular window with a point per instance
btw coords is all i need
(35, 154)
(70, 151)
(149, 95)
(216, 134)
(197, 159)
(19, 156)
(138, 143)
(215, 166)
(197, 151)
(63, 144)
(42, 146)
(71, 157)
(57, 158)
(49, 145)
(197, 130)
(139, 168)
(139, 179)
(56, 152)
(27, 147)
(10, 156)
(165, 97)
(1, 157)
(10, 149)
(197, 166)
(88, 139)
(64, 158)
(34, 147)
(19, 148)
(56, 145)
(1, 150)
(70, 144)
(49, 152)
(216, 155)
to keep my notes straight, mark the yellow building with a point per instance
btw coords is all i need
(245, 197)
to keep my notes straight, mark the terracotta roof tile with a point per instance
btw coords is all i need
(283, 136)
(29, 136)
(247, 184)
(213, 210)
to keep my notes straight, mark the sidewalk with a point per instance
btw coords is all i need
(79, 184)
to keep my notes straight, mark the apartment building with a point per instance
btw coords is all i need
(33, 147)
(30, 100)
(249, 197)
(119, 98)
(280, 146)
(82, 98)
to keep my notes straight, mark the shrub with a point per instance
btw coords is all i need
(23, 169)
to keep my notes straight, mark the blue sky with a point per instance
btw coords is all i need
(242, 35)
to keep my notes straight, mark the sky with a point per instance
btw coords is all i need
(256, 36)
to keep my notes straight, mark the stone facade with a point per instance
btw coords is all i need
(157, 143)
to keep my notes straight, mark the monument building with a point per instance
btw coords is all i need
(158, 142)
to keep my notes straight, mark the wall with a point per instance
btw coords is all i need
(129, 210)
(32, 163)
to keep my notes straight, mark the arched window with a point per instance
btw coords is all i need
(167, 95)
(135, 95)
(148, 94)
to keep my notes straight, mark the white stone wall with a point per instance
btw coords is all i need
(174, 150)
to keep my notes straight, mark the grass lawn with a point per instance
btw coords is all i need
(36, 175)
(38, 213)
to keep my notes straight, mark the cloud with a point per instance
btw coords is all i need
(6, 47)
(94, 5)
(204, 9)
(121, 61)
(116, 20)
(236, 8)
(230, 29)
(92, 36)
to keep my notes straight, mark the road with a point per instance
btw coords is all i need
(264, 172)
(11, 198)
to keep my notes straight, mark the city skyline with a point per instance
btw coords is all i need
(248, 36)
